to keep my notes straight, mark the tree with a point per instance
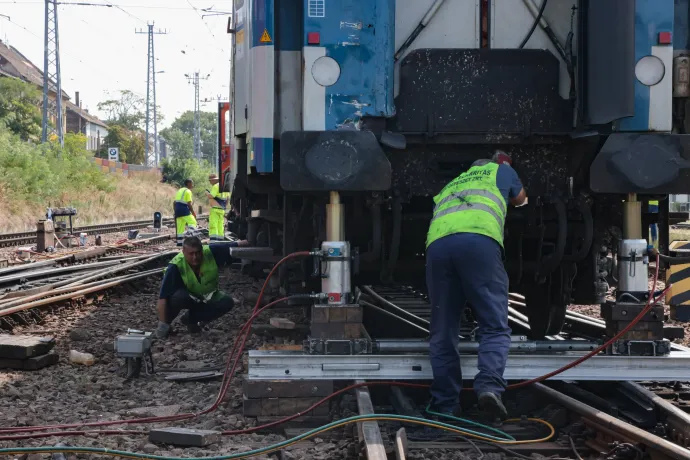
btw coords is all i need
(75, 145)
(19, 108)
(130, 143)
(181, 144)
(185, 123)
(176, 170)
(129, 110)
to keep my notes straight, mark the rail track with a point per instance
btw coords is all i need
(14, 239)
(606, 419)
(580, 429)
(26, 289)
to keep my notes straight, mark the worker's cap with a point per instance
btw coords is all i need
(502, 158)
(212, 177)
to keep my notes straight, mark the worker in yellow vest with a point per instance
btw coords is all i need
(219, 201)
(464, 263)
(191, 283)
(184, 210)
(654, 228)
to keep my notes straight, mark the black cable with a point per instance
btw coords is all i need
(534, 25)
(668, 260)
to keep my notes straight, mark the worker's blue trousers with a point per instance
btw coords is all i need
(466, 267)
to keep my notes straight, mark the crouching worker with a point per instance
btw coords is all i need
(191, 283)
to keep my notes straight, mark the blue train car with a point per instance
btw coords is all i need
(385, 101)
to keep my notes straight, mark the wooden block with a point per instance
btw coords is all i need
(282, 323)
(336, 331)
(282, 406)
(338, 315)
(184, 436)
(320, 314)
(354, 314)
(290, 406)
(251, 407)
(30, 364)
(24, 346)
(287, 388)
(305, 421)
(280, 347)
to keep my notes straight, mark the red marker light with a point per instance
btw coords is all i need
(665, 38)
(313, 38)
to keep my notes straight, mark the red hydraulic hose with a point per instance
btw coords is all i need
(179, 417)
(245, 332)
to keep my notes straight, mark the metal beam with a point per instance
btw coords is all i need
(295, 365)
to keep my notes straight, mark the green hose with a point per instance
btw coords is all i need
(267, 449)
(470, 422)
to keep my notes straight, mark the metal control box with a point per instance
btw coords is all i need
(135, 344)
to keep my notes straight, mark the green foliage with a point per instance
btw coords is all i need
(19, 108)
(208, 121)
(181, 143)
(42, 173)
(175, 172)
(128, 110)
(130, 142)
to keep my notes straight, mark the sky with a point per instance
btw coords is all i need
(100, 53)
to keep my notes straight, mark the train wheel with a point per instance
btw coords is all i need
(546, 306)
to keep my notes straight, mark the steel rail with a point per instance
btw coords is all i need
(677, 419)
(55, 292)
(10, 239)
(613, 424)
(101, 286)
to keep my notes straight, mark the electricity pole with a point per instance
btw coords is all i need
(197, 114)
(51, 75)
(151, 109)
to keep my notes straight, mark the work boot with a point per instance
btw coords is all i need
(492, 405)
(162, 331)
(192, 328)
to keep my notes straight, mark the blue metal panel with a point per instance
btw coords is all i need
(262, 20)
(651, 17)
(262, 154)
(262, 109)
(289, 25)
(359, 35)
(680, 25)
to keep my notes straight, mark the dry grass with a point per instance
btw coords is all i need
(134, 198)
(679, 234)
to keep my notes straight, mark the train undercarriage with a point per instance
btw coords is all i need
(383, 120)
(560, 247)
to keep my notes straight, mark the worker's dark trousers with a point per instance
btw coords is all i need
(219, 305)
(466, 267)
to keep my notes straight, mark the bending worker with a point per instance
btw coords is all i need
(218, 201)
(184, 210)
(191, 283)
(464, 263)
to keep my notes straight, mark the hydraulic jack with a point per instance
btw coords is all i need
(646, 338)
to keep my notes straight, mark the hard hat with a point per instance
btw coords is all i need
(212, 177)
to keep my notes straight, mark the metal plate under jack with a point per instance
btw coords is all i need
(297, 365)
